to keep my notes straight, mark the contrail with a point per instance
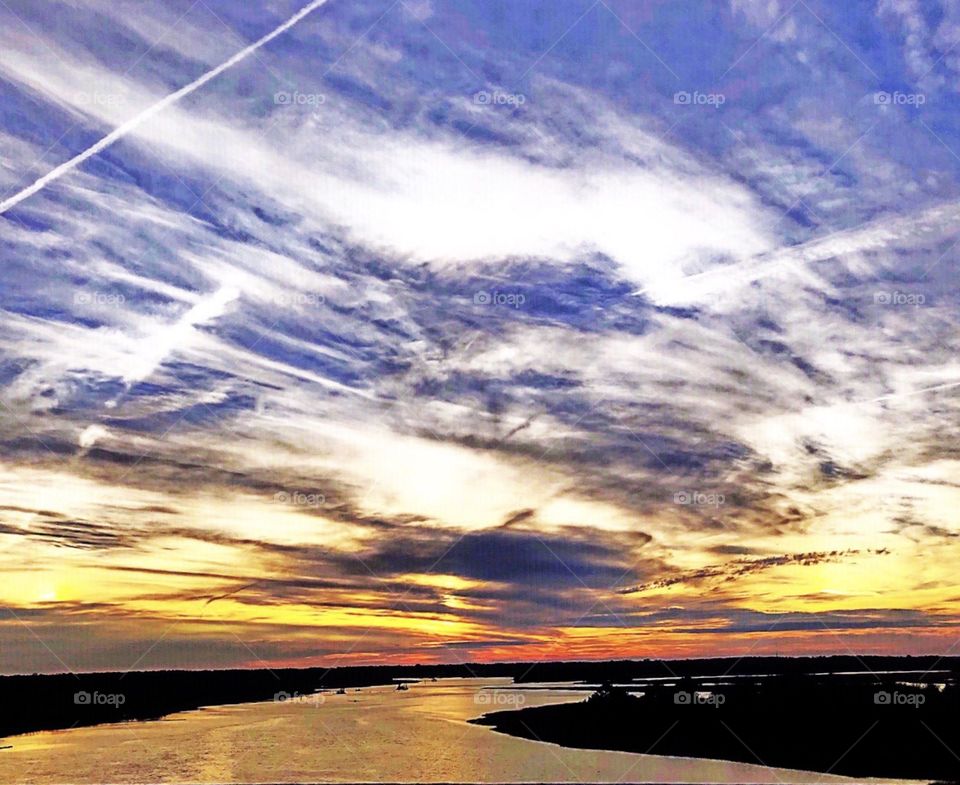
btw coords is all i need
(935, 388)
(865, 236)
(122, 130)
(230, 593)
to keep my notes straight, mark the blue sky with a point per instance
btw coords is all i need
(477, 329)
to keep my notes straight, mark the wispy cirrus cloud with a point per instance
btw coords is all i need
(383, 342)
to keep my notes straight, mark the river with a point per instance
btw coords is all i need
(377, 734)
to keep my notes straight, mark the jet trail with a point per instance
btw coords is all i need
(122, 130)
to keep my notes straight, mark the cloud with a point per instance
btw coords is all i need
(423, 196)
(767, 15)
(731, 570)
(385, 360)
(157, 347)
(926, 36)
(91, 435)
(132, 124)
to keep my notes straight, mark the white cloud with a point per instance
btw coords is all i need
(764, 14)
(153, 349)
(444, 200)
(91, 435)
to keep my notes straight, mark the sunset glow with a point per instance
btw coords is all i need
(447, 344)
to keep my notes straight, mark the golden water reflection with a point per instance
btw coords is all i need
(373, 735)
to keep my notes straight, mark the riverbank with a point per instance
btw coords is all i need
(887, 726)
(376, 734)
(58, 701)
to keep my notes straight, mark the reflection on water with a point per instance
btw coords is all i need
(377, 734)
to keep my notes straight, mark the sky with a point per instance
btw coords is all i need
(435, 331)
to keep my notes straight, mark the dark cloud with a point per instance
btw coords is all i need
(736, 568)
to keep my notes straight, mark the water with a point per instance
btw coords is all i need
(375, 735)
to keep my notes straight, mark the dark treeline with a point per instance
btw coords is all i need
(47, 702)
(626, 670)
(864, 725)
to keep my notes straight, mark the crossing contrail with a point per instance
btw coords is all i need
(867, 236)
(935, 388)
(122, 130)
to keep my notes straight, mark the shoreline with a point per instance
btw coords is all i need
(63, 701)
(834, 724)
